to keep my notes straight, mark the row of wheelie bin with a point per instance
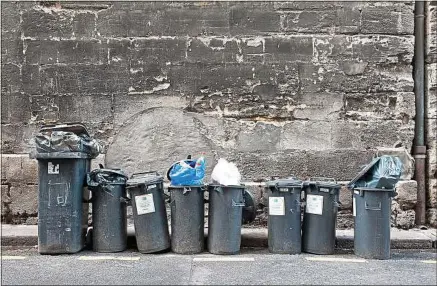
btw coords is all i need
(65, 182)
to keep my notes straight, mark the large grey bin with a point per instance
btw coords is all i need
(108, 187)
(225, 218)
(372, 212)
(187, 219)
(62, 201)
(320, 217)
(149, 212)
(284, 220)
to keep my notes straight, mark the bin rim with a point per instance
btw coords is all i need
(227, 186)
(367, 189)
(186, 186)
(322, 182)
(59, 155)
(145, 178)
(285, 183)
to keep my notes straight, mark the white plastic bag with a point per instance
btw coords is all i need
(226, 173)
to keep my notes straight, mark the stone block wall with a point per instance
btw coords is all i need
(279, 88)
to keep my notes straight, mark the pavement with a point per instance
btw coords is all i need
(27, 235)
(250, 267)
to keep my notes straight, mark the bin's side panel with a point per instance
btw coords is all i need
(187, 221)
(284, 225)
(60, 205)
(151, 225)
(372, 225)
(224, 220)
(318, 230)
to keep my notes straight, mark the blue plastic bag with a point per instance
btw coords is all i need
(188, 172)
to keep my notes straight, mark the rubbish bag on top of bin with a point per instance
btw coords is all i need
(382, 172)
(109, 203)
(68, 137)
(187, 172)
(62, 195)
(226, 173)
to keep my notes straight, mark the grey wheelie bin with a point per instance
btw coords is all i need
(187, 219)
(64, 158)
(284, 220)
(372, 212)
(225, 218)
(149, 212)
(320, 216)
(108, 189)
(373, 190)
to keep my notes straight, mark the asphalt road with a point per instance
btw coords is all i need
(251, 267)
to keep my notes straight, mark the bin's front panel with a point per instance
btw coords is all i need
(61, 210)
(284, 225)
(150, 218)
(319, 220)
(224, 219)
(372, 213)
(187, 220)
(109, 219)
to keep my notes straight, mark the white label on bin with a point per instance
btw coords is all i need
(314, 204)
(145, 204)
(324, 190)
(151, 187)
(357, 192)
(354, 206)
(53, 168)
(276, 206)
(283, 190)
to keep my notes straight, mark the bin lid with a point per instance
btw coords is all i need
(323, 182)
(106, 177)
(285, 182)
(227, 186)
(373, 189)
(363, 173)
(58, 155)
(75, 127)
(144, 178)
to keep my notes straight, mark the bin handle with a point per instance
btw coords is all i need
(234, 204)
(218, 189)
(144, 173)
(186, 190)
(367, 207)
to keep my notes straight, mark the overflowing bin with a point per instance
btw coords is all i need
(187, 219)
(284, 221)
(149, 212)
(320, 216)
(64, 154)
(225, 218)
(109, 201)
(373, 190)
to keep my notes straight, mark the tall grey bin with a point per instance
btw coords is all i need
(149, 212)
(372, 212)
(64, 157)
(320, 216)
(284, 220)
(225, 218)
(187, 219)
(108, 187)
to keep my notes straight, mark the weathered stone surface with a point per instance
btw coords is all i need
(319, 106)
(430, 30)
(24, 200)
(388, 106)
(19, 169)
(31, 79)
(345, 219)
(431, 217)
(251, 19)
(345, 198)
(47, 23)
(405, 219)
(288, 49)
(84, 24)
(5, 195)
(17, 138)
(304, 135)
(98, 160)
(41, 52)
(406, 158)
(15, 109)
(11, 79)
(407, 194)
(10, 16)
(82, 52)
(213, 50)
(387, 18)
(431, 193)
(371, 134)
(12, 47)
